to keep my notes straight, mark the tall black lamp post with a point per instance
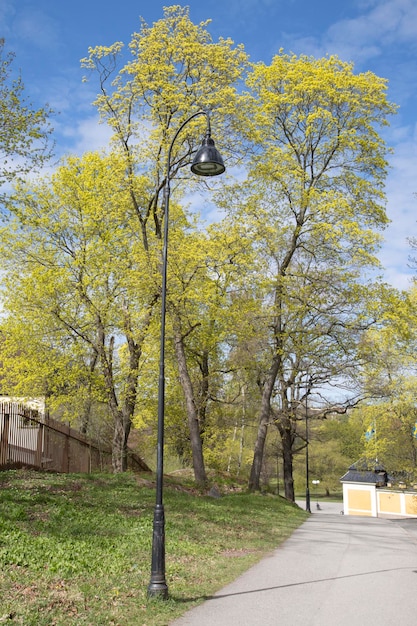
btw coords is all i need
(207, 162)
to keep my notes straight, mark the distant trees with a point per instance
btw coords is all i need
(383, 427)
(390, 379)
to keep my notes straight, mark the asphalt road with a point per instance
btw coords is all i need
(335, 570)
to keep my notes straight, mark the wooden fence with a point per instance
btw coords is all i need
(29, 439)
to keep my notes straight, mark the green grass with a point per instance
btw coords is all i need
(76, 549)
(333, 497)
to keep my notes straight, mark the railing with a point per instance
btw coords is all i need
(27, 439)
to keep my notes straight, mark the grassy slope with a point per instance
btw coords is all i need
(75, 549)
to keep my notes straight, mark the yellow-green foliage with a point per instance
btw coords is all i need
(24, 137)
(275, 287)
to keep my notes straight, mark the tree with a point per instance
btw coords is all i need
(71, 239)
(176, 69)
(197, 329)
(200, 274)
(24, 131)
(310, 206)
(109, 255)
(191, 325)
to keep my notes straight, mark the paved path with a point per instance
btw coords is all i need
(335, 570)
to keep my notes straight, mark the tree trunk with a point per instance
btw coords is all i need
(287, 455)
(264, 419)
(258, 453)
(203, 390)
(119, 446)
(122, 409)
(86, 412)
(200, 475)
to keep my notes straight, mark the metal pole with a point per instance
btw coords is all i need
(308, 508)
(157, 585)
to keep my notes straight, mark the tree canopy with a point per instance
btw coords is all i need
(271, 307)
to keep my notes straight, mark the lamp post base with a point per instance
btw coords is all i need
(308, 507)
(158, 590)
(157, 585)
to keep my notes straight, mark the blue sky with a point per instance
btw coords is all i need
(49, 37)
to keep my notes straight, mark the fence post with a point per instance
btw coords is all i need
(4, 440)
(66, 453)
(39, 446)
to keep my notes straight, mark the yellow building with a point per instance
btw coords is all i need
(365, 492)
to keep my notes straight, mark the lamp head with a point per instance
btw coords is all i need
(207, 161)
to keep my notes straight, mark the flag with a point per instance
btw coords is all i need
(370, 433)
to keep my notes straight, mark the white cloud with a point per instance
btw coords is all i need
(380, 24)
(401, 189)
(388, 23)
(91, 135)
(85, 134)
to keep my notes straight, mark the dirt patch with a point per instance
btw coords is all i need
(237, 553)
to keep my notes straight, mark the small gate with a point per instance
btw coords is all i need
(21, 436)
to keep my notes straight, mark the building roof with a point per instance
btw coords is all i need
(360, 472)
(352, 476)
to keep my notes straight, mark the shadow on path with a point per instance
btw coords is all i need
(306, 582)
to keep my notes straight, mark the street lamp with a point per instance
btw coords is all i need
(207, 162)
(316, 483)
